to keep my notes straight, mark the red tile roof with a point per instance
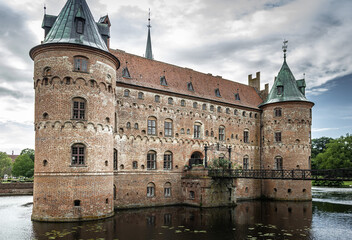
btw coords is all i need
(147, 73)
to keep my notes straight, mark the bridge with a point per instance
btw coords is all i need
(296, 174)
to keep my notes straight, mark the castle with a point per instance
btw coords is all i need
(116, 130)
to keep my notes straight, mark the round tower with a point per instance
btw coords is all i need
(286, 135)
(74, 82)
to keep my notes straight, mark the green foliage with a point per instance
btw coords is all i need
(23, 166)
(29, 152)
(222, 163)
(327, 183)
(5, 164)
(338, 154)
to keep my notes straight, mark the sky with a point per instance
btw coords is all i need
(229, 38)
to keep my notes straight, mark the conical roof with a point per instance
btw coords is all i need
(289, 90)
(65, 27)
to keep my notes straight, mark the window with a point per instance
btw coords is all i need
(163, 81)
(79, 108)
(195, 105)
(222, 156)
(235, 112)
(191, 195)
(219, 109)
(168, 128)
(183, 103)
(81, 64)
(280, 90)
(170, 101)
(182, 131)
(212, 108)
(134, 165)
(237, 96)
(77, 203)
(244, 113)
(152, 126)
(47, 72)
(151, 160)
(140, 95)
(114, 192)
(126, 73)
(245, 136)
(221, 133)
(188, 131)
(212, 133)
(136, 126)
(190, 87)
(80, 26)
(217, 92)
(78, 154)
(126, 93)
(245, 163)
(204, 107)
(227, 110)
(167, 189)
(197, 129)
(168, 161)
(207, 133)
(277, 112)
(278, 137)
(150, 190)
(157, 98)
(278, 163)
(115, 159)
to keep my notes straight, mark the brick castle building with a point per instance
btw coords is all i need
(116, 130)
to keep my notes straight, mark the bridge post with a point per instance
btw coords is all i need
(229, 156)
(205, 156)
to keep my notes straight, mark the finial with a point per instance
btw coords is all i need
(149, 26)
(284, 48)
(44, 9)
(304, 76)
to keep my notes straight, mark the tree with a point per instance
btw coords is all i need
(338, 154)
(23, 166)
(319, 145)
(5, 164)
(29, 152)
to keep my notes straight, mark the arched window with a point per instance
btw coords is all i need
(79, 108)
(227, 110)
(128, 125)
(278, 163)
(245, 162)
(167, 160)
(170, 101)
(157, 98)
(167, 189)
(197, 130)
(221, 133)
(126, 93)
(207, 133)
(235, 112)
(219, 109)
(188, 131)
(212, 108)
(78, 154)
(244, 113)
(191, 195)
(246, 136)
(150, 189)
(136, 126)
(115, 159)
(151, 126)
(140, 95)
(183, 103)
(212, 133)
(81, 64)
(204, 107)
(47, 72)
(182, 131)
(151, 160)
(195, 105)
(134, 164)
(168, 128)
(277, 112)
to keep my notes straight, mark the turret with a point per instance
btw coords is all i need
(74, 82)
(286, 132)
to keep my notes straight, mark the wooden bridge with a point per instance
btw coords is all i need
(296, 174)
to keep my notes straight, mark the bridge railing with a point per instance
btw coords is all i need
(295, 174)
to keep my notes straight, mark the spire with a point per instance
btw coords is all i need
(75, 24)
(285, 87)
(148, 50)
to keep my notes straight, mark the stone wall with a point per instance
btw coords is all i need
(10, 189)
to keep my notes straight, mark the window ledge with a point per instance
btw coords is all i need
(78, 166)
(80, 71)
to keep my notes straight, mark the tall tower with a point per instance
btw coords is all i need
(286, 134)
(74, 82)
(148, 50)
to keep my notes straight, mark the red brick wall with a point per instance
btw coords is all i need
(9, 189)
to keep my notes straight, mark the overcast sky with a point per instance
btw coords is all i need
(230, 38)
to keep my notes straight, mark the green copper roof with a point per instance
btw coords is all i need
(290, 91)
(64, 29)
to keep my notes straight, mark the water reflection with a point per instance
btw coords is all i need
(253, 220)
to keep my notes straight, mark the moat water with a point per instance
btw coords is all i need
(328, 216)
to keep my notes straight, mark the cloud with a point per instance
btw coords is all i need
(323, 129)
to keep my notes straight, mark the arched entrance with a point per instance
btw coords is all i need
(196, 159)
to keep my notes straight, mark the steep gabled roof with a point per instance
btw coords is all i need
(290, 91)
(64, 29)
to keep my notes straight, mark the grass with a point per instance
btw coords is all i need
(347, 183)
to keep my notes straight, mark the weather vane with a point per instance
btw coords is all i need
(284, 48)
(149, 26)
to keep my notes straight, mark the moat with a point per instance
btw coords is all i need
(328, 216)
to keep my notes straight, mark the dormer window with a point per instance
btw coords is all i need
(217, 92)
(190, 87)
(237, 96)
(163, 81)
(126, 73)
(80, 26)
(280, 90)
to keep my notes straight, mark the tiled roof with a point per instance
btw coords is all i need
(147, 73)
(64, 28)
